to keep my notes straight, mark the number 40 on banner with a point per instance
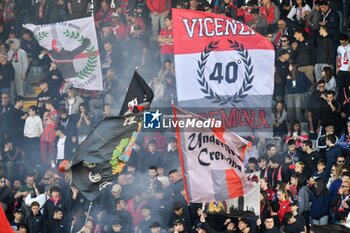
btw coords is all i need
(231, 72)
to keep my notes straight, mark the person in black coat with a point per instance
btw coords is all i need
(269, 226)
(330, 18)
(56, 224)
(58, 12)
(35, 220)
(55, 202)
(6, 196)
(7, 74)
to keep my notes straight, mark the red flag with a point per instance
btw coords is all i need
(5, 226)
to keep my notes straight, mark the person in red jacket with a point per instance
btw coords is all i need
(159, 9)
(166, 41)
(104, 15)
(284, 204)
(271, 12)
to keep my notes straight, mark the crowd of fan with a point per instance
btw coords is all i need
(304, 170)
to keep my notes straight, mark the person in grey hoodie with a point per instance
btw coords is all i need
(304, 198)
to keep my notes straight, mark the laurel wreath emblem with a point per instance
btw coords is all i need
(41, 35)
(247, 82)
(92, 59)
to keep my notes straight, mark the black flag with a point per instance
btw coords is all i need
(103, 154)
(138, 97)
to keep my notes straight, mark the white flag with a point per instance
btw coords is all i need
(73, 46)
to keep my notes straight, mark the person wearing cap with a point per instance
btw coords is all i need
(7, 74)
(119, 28)
(325, 52)
(179, 226)
(180, 213)
(106, 33)
(258, 23)
(18, 58)
(132, 22)
(18, 218)
(343, 65)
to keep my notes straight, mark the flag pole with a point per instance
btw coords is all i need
(88, 213)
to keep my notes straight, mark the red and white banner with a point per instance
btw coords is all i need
(211, 160)
(226, 67)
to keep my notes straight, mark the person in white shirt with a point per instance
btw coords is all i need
(299, 12)
(61, 146)
(33, 129)
(343, 66)
(40, 196)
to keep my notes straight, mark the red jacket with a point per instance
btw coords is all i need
(158, 5)
(102, 17)
(284, 208)
(135, 211)
(269, 14)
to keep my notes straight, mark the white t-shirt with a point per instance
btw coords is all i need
(60, 148)
(298, 12)
(343, 56)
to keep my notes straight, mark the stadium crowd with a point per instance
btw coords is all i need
(304, 168)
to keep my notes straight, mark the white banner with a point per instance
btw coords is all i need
(73, 46)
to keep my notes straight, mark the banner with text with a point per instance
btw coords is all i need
(73, 46)
(214, 155)
(224, 70)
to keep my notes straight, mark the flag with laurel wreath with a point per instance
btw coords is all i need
(225, 70)
(73, 46)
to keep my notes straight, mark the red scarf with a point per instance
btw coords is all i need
(55, 201)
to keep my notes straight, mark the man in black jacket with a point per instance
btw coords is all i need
(7, 74)
(56, 224)
(316, 102)
(6, 196)
(35, 220)
(325, 52)
(303, 52)
(330, 18)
